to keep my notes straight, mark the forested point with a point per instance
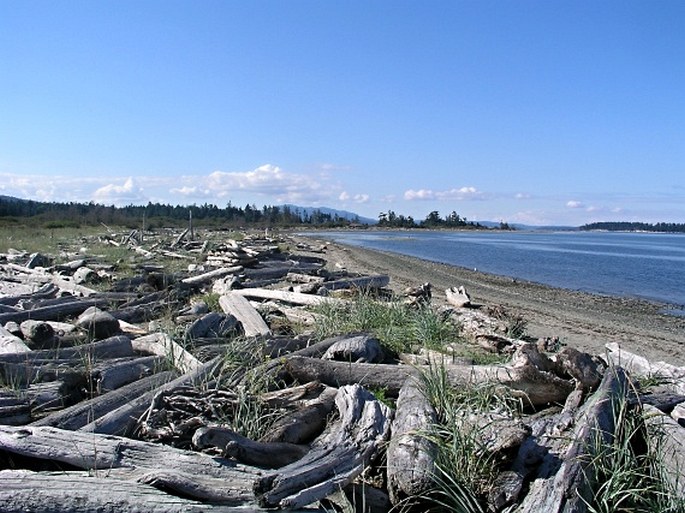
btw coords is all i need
(625, 226)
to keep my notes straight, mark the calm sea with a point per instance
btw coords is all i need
(644, 265)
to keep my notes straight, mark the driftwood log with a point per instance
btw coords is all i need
(240, 308)
(188, 473)
(336, 457)
(533, 386)
(668, 446)
(410, 454)
(569, 489)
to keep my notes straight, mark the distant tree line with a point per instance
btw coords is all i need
(625, 226)
(158, 215)
(433, 220)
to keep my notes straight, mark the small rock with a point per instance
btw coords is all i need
(37, 260)
(38, 332)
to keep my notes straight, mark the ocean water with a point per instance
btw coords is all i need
(645, 265)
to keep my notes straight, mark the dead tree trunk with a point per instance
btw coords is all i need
(411, 456)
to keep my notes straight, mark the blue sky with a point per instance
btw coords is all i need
(540, 112)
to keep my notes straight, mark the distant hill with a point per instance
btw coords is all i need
(11, 199)
(529, 227)
(343, 214)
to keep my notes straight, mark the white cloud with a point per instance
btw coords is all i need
(421, 194)
(574, 204)
(344, 196)
(463, 193)
(522, 195)
(119, 194)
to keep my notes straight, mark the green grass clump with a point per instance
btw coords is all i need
(399, 327)
(627, 469)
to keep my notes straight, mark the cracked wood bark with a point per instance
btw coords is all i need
(122, 420)
(411, 456)
(83, 492)
(163, 345)
(336, 457)
(189, 473)
(241, 309)
(526, 381)
(80, 414)
(569, 490)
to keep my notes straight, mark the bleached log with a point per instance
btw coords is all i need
(410, 455)
(667, 446)
(236, 305)
(53, 312)
(11, 343)
(364, 282)
(201, 279)
(193, 474)
(85, 492)
(84, 412)
(109, 375)
(532, 385)
(336, 457)
(113, 347)
(457, 297)
(640, 366)
(294, 298)
(163, 345)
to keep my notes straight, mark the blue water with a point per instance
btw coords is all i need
(645, 265)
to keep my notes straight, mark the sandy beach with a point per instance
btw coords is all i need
(581, 320)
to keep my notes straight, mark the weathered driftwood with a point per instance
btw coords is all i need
(458, 297)
(163, 345)
(305, 422)
(113, 347)
(53, 312)
(534, 386)
(336, 457)
(640, 366)
(667, 445)
(586, 369)
(240, 308)
(212, 324)
(362, 349)
(363, 282)
(209, 276)
(569, 490)
(294, 298)
(260, 454)
(50, 395)
(122, 420)
(11, 343)
(84, 412)
(110, 375)
(15, 410)
(410, 454)
(190, 474)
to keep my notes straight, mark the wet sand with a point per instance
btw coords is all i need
(581, 320)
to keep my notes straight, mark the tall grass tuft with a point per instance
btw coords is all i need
(399, 327)
(627, 472)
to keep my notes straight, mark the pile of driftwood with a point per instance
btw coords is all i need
(105, 407)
